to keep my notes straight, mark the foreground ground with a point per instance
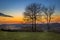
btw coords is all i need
(29, 36)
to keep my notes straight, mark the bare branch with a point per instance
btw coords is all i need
(32, 11)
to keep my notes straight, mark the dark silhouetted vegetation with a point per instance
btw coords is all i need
(32, 12)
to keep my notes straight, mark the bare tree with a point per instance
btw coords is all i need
(32, 11)
(26, 18)
(49, 12)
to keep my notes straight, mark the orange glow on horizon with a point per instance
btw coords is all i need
(13, 20)
(19, 20)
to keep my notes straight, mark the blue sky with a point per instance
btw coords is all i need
(17, 7)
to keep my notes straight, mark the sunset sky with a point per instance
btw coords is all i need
(16, 8)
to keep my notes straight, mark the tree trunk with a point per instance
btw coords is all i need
(47, 23)
(49, 19)
(32, 25)
(35, 24)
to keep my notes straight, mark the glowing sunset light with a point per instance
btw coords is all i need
(19, 20)
(16, 8)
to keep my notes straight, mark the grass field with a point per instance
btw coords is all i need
(29, 36)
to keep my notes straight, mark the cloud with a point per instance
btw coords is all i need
(4, 15)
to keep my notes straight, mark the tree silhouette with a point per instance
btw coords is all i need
(31, 13)
(49, 12)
